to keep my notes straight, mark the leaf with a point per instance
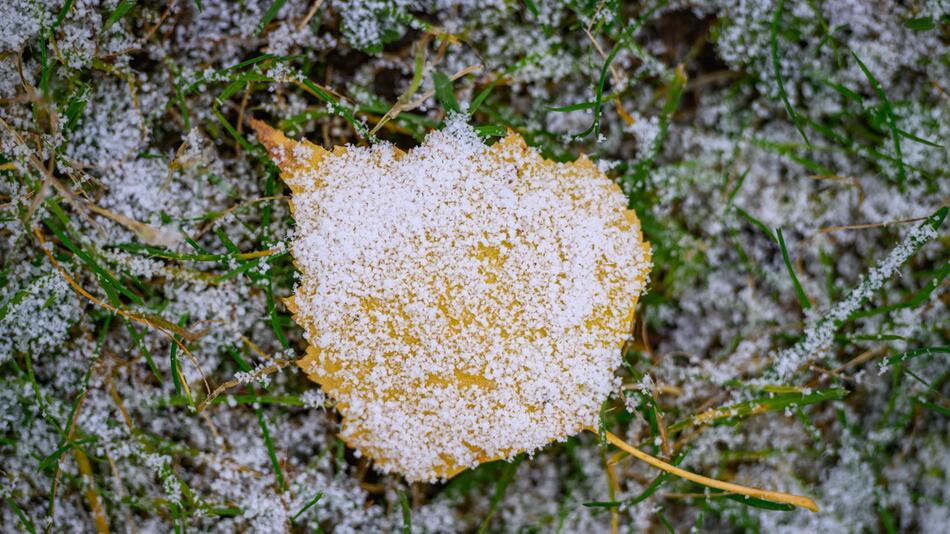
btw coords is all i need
(573, 107)
(913, 137)
(603, 504)
(477, 102)
(625, 37)
(484, 168)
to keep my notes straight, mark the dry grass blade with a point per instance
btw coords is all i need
(774, 496)
(146, 233)
(166, 327)
(250, 377)
(829, 229)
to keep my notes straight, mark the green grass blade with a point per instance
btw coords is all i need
(271, 453)
(306, 507)
(761, 225)
(24, 519)
(920, 297)
(444, 92)
(915, 353)
(799, 292)
(269, 15)
(920, 24)
(120, 10)
(406, 513)
(936, 408)
(777, 68)
(760, 503)
(657, 482)
(774, 403)
(888, 114)
(602, 79)
(506, 477)
(480, 98)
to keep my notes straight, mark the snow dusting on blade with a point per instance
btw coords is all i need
(462, 303)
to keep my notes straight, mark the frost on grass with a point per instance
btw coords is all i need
(462, 302)
(146, 118)
(37, 309)
(821, 332)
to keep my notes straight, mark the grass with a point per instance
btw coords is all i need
(777, 139)
(777, 70)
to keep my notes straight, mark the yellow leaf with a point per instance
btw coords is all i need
(462, 303)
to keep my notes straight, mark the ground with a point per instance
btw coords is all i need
(787, 160)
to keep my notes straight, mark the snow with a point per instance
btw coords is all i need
(147, 142)
(515, 275)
